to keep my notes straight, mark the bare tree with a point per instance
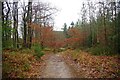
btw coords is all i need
(29, 15)
(15, 19)
(24, 17)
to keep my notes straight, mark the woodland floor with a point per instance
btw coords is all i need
(66, 64)
(74, 64)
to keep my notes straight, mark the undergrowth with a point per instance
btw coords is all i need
(101, 50)
(38, 50)
(19, 63)
(16, 64)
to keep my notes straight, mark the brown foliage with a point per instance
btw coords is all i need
(75, 38)
(46, 36)
(93, 66)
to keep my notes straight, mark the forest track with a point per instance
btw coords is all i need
(56, 67)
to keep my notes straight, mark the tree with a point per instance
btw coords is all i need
(15, 29)
(6, 29)
(1, 26)
(75, 38)
(65, 30)
(24, 17)
(31, 12)
(29, 16)
(117, 19)
(72, 24)
(45, 35)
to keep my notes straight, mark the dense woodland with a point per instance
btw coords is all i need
(22, 22)
(26, 24)
(29, 25)
(98, 27)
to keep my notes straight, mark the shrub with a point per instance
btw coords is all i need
(101, 50)
(38, 50)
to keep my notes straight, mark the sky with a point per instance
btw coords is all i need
(68, 11)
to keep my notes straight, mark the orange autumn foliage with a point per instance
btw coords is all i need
(42, 34)
(49, 38)
(46, 36)
(75, 37)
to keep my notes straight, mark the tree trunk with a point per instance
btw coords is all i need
(15, 17)
(3, 31)
(29, 15)
(104, 26)
(25, 31)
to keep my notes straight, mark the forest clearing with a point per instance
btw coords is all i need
(40, 40)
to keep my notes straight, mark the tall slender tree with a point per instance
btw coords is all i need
(15, 29)
(29, 15)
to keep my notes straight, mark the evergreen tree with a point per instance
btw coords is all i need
(65, 30)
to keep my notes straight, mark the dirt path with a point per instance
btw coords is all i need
(57, 68)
